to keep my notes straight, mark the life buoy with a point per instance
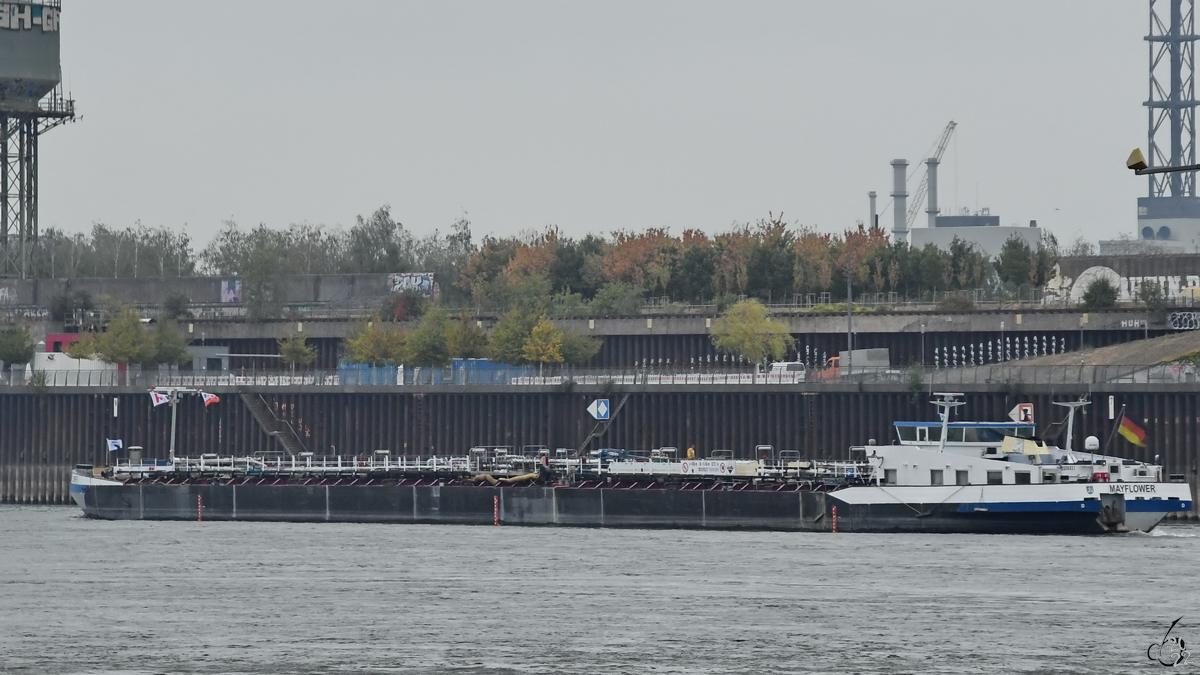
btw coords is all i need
(1100, 477)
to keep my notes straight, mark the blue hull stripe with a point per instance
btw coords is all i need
(78, 488)
(1086, 506)
(1157, 505)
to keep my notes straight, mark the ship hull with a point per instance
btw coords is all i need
(848, 510)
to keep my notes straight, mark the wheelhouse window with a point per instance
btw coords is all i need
(935, 477)
(907, 433)
(986, 434)
(954, 435)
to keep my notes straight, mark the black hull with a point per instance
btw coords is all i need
(564, 506)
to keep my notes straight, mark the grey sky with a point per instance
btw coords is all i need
(592, 116)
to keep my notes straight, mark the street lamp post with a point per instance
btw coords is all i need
(1002, 358)
(922, 345)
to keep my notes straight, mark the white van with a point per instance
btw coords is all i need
(796, 369)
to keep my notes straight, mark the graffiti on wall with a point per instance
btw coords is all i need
(417, 282)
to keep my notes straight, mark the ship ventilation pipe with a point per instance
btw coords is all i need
(931, 165)
(874, 221)
(899, 200)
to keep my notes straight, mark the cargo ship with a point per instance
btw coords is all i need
(943, 476)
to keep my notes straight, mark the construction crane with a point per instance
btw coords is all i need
(918, 199)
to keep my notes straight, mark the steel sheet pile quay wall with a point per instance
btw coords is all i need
(44, 435)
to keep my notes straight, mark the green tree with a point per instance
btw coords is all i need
(617, 299)
(1017, 262)
(175, 307)
(376, 344)
(126, 340)
(294, 350)
(577, 348)
(67, 302)
(746, 329)
(1100, 294)
(465, 338)
(428, 344)
(1150, 294)
(170, 344)
(16, 345)
(692, 278)
(506, 340)
(83, 348)
(544, 344)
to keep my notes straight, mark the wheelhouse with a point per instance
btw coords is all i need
(991, 433)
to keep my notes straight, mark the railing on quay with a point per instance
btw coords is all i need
(400, 377)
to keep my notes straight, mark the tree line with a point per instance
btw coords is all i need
(771, 260)
(521, 336)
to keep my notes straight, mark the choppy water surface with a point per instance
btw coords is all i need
(85, 596)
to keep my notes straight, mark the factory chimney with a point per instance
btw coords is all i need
(899, 200)
(931, 165)
(874, 222)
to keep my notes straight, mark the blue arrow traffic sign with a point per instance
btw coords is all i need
(599, 409)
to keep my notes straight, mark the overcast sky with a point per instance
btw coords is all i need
(593, 116)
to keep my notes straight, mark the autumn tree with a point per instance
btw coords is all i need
(506, 340)
(544, 344)
(746, 329)
(642, 259)
(733, 251)
(813, 263)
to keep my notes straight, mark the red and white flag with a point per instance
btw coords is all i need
(158, 398)
(209, 398)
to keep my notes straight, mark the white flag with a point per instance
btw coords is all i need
(114, 444)
(158, 398)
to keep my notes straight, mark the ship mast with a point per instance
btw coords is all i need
(173, 400)
(948, 402)
(1071, 407)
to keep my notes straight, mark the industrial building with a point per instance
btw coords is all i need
(981, 229)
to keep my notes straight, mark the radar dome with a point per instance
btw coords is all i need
(1091, 444)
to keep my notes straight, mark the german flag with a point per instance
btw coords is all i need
(1132, 432)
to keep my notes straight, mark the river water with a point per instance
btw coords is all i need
(86, 596)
